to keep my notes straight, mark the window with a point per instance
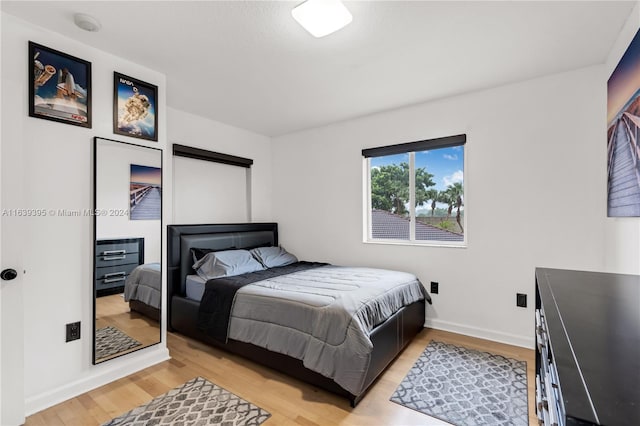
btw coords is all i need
(415, 192)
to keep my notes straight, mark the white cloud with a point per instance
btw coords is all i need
(450, 157)
(457, 176)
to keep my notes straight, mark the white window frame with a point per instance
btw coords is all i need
(411, 148)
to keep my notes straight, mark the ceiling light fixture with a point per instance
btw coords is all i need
(87, 22)
(322, 17)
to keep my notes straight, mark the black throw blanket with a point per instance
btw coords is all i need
(219, 294)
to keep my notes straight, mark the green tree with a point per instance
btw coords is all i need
(390, 187)
(433, 195)
(446, 197)
(453, 197)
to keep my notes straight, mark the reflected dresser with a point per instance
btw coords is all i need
(115, 259)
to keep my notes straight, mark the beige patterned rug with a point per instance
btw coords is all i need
(466, 387)
(196, 402)
(110, 341)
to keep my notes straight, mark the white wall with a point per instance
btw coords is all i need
(209, 192)
(57, 170)
(534, 188)
(622, 235)
(195, 131)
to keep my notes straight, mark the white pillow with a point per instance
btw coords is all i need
(272, 257)
(226, 263)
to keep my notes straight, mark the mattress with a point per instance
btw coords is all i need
(322, 316)
(144, 284)
(195, 287)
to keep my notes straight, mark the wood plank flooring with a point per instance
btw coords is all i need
(289, 401)
(113, 311)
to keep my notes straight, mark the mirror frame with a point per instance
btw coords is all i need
(94, 216)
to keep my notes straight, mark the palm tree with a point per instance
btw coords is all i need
(456, 193)
(447, 196)
(433, 195)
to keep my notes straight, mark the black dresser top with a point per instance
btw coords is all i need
(593, 321)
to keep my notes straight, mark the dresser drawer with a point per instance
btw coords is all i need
(114, 261)
(111, 272)
(116, 248)
(117, 259)
(110, 283)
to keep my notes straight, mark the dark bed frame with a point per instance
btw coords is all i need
(144, 309)
(388, 338)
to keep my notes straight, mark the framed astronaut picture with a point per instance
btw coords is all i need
(135, 108)
(60, 88)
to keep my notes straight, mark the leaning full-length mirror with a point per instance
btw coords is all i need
(128, 248)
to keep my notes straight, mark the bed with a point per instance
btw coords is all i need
(143, 290)
(370, 343)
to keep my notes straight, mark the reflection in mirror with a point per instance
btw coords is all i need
(128, 248)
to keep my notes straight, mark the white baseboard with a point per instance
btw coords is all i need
(483, 333)
(106, 374)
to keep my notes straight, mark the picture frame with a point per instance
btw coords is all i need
(145, 192)
(135, 108)
(623, 125)
(60, 88)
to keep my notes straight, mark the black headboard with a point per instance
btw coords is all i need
(181, 238)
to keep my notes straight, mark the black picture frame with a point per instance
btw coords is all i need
(135, 108)
(60, 88)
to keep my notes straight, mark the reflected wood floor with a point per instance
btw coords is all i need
(113, 311)
(289, 401)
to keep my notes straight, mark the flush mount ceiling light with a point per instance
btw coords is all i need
(87, 22)
(322, 17)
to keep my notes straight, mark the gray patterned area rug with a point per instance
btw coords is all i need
(197, 402)
(110, 341)
(466, 387)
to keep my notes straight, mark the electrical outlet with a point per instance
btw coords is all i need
(73, 331)
(521, 300)
(434, 287)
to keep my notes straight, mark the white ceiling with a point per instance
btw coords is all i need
(250, 65)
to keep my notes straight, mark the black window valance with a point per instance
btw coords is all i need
(424, 145)
(216, 157)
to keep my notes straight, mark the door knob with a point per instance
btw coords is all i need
(8, 274)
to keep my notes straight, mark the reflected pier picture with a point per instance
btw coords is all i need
(145, 195)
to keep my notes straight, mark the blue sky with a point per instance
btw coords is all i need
(445, 164)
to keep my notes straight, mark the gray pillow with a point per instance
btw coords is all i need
(199, 253)
(226, 263)
(272, 257)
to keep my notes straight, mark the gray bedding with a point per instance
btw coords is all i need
(323, 316)
(144, 284)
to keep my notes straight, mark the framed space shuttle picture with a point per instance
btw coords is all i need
(135, 108)
(60, 88)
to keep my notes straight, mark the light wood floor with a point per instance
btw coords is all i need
(113, 311)
(289, 401)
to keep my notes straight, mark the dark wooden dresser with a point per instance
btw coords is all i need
(588, 348)
(115, 259)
